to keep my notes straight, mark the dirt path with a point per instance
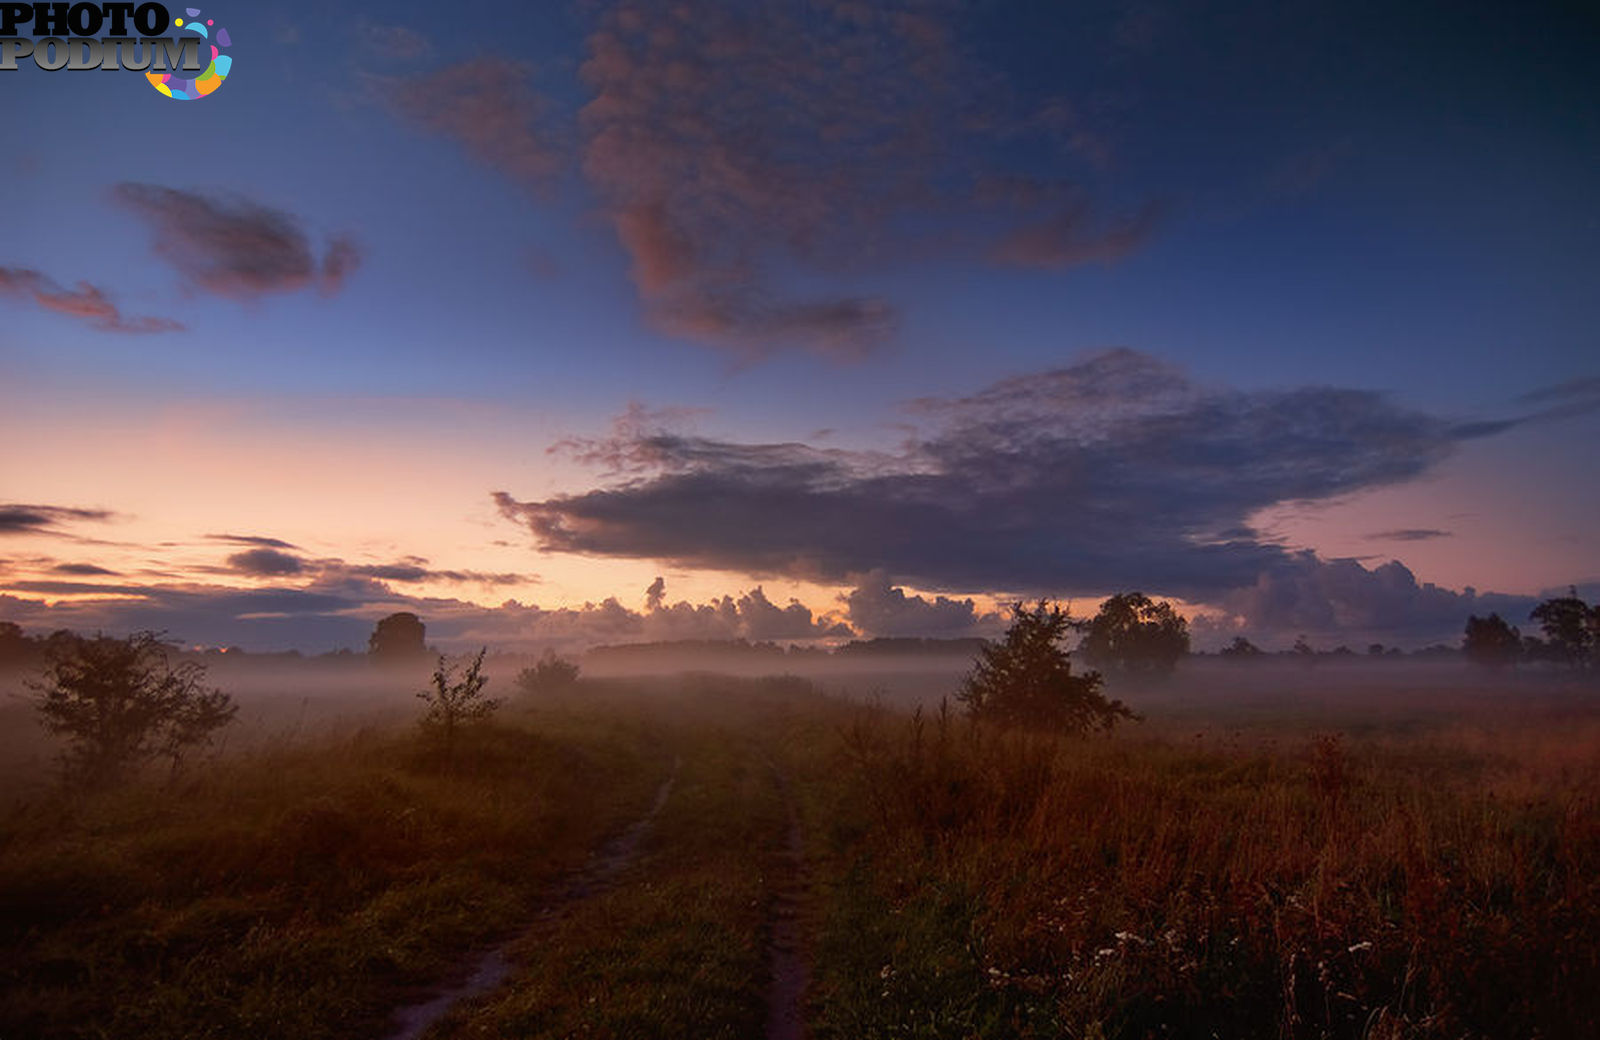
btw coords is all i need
(791, 972)
(491, 967)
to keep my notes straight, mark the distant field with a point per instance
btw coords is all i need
(1382, 851)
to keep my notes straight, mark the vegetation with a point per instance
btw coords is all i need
(398, 637)
(1491, 642)
(550, 674)
(1027, 680)
(118, 702)
(1134, 633)
(454, 703)
(1419, 878)
(994, 884)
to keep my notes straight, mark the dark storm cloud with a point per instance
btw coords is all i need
(16, 518)
(263, 563)
(1117, 472)
(487, 106)
(86, 302)
(234, 247)
(1408, 534)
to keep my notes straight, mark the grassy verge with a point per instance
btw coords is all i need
(300, 892)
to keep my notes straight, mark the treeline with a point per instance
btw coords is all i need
(1571, 630)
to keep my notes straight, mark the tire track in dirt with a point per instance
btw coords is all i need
(786, 954)
(491, 967)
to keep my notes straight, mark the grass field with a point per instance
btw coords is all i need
(1431, 876)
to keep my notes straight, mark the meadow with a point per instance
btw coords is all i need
(1278, 854)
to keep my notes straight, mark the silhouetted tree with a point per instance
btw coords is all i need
(120, 701)
(455, 702)
(398, 637)
(1302, 651)
(550, 674)
(1026, 679)
(1491, 642)
(1571, 629)
(1241, 649)
(14, 646)
(1134, 633)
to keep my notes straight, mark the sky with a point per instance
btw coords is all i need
(592, 322)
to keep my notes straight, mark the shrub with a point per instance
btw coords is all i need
(120, 701)
(1026, 679)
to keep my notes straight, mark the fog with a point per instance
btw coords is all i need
(287, 699)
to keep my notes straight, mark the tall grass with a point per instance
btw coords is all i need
(997, 884)
(295, 892)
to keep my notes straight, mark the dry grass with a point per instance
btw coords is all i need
(1440, 885)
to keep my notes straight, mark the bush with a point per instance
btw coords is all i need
(454, 703)
(1026, 679)
(120, 701)
(550, 674)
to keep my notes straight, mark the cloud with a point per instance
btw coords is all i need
(1117, 472)
(250, 539)
(877, 608)
(86, 302)
(1070, 238)
(1407, 534)
(264, 563)
(234, 247)
(395, 42)
(410, 572)
(735, 146)
(16, 518)
(488, 107)
(334, 610)
(1573, 397)
(82, 570)
(1342, 601)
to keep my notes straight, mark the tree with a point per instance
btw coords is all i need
(1571, 628)
(398, 637)
(454, 703)
(1491, 642)
(550, 674)
(1241, 649)
(1134, 633)
(120, 701)
(1026, 679)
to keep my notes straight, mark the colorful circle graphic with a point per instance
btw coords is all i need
(208, 81)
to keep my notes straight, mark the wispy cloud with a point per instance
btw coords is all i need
(234, 247)
(490, 108)
(86, 302)
(16, 518)
(1407, 534)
